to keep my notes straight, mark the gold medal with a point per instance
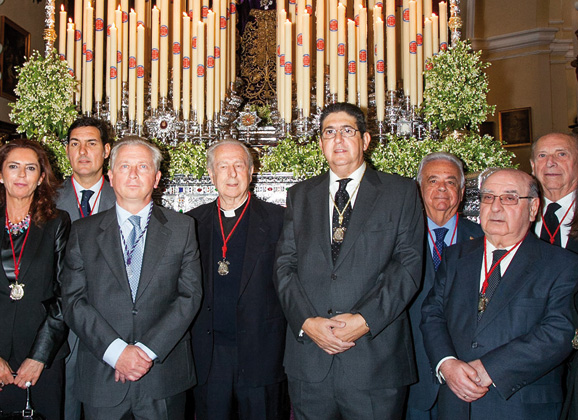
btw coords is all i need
(223, 269)
(575, 340)
(338, 234)
(16, 291)
(482, 303)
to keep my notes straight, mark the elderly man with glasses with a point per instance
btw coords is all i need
(496, 324)
(348, 263)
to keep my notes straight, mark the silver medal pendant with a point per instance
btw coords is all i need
(482, 303)
(16, 291)
(339, 234)
(223, 269)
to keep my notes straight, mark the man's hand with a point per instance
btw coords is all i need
(28, 373)
(355, 327)
(463, 380)
(132, 364)
(6, 377)
(485, 379)
(321, 331)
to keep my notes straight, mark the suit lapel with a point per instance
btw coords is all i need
(257, 235)
(68, 200)
(108, 241)
(520, 270)
(467, 275)
(316, 210)
(363, 208)
(157, 240)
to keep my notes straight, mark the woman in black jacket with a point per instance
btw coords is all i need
(32, 331)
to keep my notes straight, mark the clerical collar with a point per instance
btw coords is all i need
(233, 213)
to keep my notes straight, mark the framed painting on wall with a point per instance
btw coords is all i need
(15, 42)
(516, 127)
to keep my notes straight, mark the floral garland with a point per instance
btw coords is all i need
(45, 106)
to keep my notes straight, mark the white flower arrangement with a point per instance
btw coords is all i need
(45, 106)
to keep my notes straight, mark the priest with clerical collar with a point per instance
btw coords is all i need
(239, 334)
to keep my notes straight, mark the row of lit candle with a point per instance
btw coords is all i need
(137, 45)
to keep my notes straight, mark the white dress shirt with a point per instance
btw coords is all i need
(351, 188)
(565, 206)
(95, 199)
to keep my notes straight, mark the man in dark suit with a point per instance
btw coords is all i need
(348, 264)
(239, 334)
(86, 192)
(496, 324)
(442, 183)
(132, 285)
(555, 164)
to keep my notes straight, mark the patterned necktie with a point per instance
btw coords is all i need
(85, 203)
(341, 200)
(495, 277)
(440, 245)
(135, 254)
(551, 221)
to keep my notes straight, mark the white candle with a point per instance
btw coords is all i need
(210, 96)
(119, 54)
(164, 50)
(176, 29)
(333, 29)
(109, 21)
(288, 71)
(320, 54)
(341, 59)
(391, 56)
(443, 25)
(155, 29)
(427, 8)
(363, 63)
(70, 47)
(352, 64)
(282, 16)
(201, 72)
(405, 48)
(99, 50)
(195, 12)
(89, 58)
(217, 54)
(125, 10)
(113, 75)
(140, 74)
(62, 33)
(232, 49)
(298, 60)
(419, 40)
(412, 52)
(139, 8)
(186, 67)
(428, 51)
(434, 37)
(132, 51)
(224, 48)
(306, 28)
(379, 69)
(78, 20)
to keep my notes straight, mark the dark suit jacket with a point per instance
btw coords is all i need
(33, 327)
(99, 308)
(423, 394)
(67, 199)
(261, 325)
(522, 338)
(377, 273)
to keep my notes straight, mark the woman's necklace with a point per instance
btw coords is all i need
(20, 227)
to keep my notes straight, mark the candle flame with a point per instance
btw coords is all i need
(69, 20)
(62, 7)
(119, 9)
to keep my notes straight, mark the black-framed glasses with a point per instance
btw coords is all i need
(330, 133)
(508, 199)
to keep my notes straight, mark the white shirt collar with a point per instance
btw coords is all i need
(122, 215)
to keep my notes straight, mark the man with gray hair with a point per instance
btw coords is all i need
(131, 287)
(441, 180)
(239, 334)
(554, 162)
(496, 324)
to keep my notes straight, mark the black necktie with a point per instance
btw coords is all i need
(341, 200)
(84, 202)
(551, 221)
(495, 277)
(440, 245)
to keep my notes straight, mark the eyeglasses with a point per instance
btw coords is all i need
(330, 133)
(508, 199)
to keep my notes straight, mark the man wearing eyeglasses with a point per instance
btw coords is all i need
(348, 264)
(496, 324)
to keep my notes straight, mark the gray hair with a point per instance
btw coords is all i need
(213, 149)
(448, 157)
(136, 141)
(572, 138)
(533, 188)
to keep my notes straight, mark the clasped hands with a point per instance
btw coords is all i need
(335, 335)
(469, 381)
(27, 374)
(132, 364)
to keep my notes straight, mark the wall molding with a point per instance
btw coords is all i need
(516, 40)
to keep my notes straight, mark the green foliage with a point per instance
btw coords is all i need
(456, 89)
(58, 159)
(45, 105)
(304, 160)
(188, 158)
(263, 112)
(402, 156)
